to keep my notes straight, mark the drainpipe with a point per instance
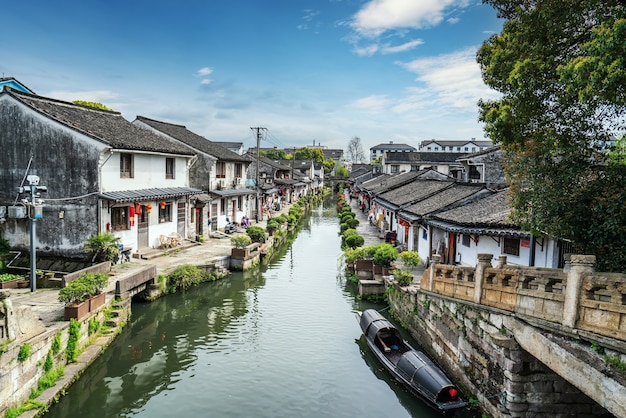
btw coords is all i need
(531, 261)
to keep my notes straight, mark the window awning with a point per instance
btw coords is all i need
(149, 194)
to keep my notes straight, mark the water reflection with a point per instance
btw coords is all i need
(277, 342)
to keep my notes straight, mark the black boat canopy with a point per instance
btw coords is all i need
(421, 371)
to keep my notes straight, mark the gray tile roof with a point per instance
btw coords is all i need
(414, 191)
(200, 143)
(392, 146)
(445, 198)
(390, 182)
(107, 127)
(490, 211)
(422, 157)
(149, 194)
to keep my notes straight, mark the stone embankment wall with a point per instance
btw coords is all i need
(19, 378)
(500, 332)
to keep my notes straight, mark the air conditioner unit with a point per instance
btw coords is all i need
(238, 180)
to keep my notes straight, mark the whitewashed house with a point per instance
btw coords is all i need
(217, 171)
(102, 173)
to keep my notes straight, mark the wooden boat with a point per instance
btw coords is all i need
(409, 366)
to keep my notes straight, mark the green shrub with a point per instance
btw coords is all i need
(49, 363)
(72, 341)
(5, 247)
(404, 278)
(256, 233)
(354, 241)
(5, 277)
(353, 254)
(346, 216)
(241, 241)
(272, 225)
(410, 259)
(385, 255)
(350, 231)
(56, 343)
(83, 287)
(185, 276)
(24, 353)
(353, 223)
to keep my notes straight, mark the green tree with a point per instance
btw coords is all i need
(305, 153)
(341, 171)
(560, 69)
(94, 105)
(329, 165)
(276, 154)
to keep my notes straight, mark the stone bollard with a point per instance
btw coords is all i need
(435, 260)
(501, 261)
(484, 261)
(581, 266)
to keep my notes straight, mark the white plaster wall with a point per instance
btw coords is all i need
(148, 172)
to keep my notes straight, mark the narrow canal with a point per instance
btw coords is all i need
(281, 342)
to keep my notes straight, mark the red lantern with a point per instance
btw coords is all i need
(131, 211)
(138, 210)
(149, 208)
(162, 205)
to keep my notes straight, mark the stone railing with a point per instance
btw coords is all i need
(575, 297)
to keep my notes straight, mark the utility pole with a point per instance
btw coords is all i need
(35, 211)
(259, 131)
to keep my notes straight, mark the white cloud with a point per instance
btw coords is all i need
(407, 46)
(453, 20)
(450, 80)
(203, 72)
(366, 51)
(206, 81)
(373, 103)
(379, 16)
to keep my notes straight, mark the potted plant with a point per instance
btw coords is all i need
(83, 294)
(9, 281)
(240, 242)
(104, 247)
(384, 255)
(256, 234)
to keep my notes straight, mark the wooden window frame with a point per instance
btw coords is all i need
(220, 170)
(120, 218)
(170, 168)
(165, 214)
(127, 166)
(511, 246)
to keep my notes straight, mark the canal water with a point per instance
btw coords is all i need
(280, 342)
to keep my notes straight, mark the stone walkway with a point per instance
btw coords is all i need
(372, 236)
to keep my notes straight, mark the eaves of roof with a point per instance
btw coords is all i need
(149, 194)
(477, 230)
(232, 192)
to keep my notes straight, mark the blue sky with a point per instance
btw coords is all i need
(307, 70)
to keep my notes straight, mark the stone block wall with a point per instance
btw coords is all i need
(473, 345)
